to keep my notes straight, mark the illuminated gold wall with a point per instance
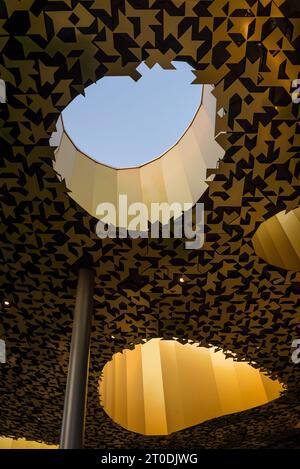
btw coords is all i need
(277, 240)
(20, 443)
(163, 386)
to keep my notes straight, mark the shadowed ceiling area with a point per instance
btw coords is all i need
(231, 297)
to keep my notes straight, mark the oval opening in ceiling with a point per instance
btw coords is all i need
(180, 175)
(162, 386)
(123, 123)
(276, 240)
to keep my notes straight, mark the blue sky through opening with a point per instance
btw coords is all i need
(124, 123)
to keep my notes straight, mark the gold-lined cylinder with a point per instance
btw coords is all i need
(162, 387)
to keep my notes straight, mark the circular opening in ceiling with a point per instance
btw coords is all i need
(123, 123)
(178, 176)
(276, 240)
(162, 386)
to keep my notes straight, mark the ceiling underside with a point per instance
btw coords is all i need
(51, 50)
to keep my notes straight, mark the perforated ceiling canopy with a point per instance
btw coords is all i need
(51, 51)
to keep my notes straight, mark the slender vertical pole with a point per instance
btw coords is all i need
(72, 432)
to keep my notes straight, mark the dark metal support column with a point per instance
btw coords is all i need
(72, 432)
